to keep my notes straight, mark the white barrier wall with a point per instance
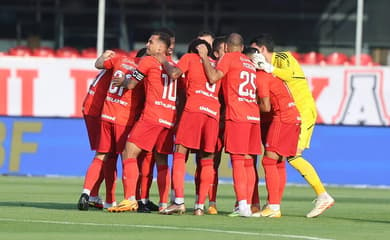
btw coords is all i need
(56, 87)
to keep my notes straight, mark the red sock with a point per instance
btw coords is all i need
(206, 179)
(96, 186)
(271, 179)
(251, 178)
(282, 178)
(256, 197)
(163, 182)
(130, 177)
(178, 173)
(214, 186)
(146, 175)
(197, 175)
(239, 176)
(93, 173)
(110, 175)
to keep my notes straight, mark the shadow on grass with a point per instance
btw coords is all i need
(45, 205)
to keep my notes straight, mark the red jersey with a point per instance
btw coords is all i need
(160, 91)
(201, 96)
(93, 101)
(239, 87)
(122, 106)
(282, 103)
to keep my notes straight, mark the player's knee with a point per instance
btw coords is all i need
(290, 159)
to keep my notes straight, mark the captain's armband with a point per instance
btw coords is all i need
(137, 75)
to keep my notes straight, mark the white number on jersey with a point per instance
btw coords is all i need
(169, 88)
(245, 90)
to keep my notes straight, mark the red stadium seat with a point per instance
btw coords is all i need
(312, 58)
(43, 52)
(337, 58)
(365, 60)
(3, 54)
(120, 51)
(67, 52)
(297, 56)
(21, 51)
(89, 53)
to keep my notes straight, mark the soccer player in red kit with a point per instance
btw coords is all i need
(242, 131)
(153, 130)
(198, 127)
(92, 109)
(280, 128)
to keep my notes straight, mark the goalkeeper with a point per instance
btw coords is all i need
(287, 68)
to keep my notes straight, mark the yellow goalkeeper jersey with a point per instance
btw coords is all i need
(287, 68)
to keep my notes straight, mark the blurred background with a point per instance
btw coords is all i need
(302, 26)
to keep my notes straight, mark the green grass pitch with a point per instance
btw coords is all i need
(45, 208)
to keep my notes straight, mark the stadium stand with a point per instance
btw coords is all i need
(312, 58)
(43, 52)
(20, 51)
(67, 52)
(336, 58)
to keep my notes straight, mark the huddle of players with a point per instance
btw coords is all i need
(137, 106)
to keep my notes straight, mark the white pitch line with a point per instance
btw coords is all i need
(165, 228)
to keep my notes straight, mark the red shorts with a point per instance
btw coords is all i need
(149, 136)
(112, 137)
(242, 138)
(280, 137)
(197, 131)
(93, 130)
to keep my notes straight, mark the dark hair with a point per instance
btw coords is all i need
(141, 52)
(217, 41)
(250, 50)
(164, 37)
(264, 39)
(196, 42)
(168, 31)
(206, 33)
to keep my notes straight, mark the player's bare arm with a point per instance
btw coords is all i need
(213, 75)
(172, 71)
(264, 104)
(106, 55)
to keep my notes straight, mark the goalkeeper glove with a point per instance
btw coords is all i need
(261, 63)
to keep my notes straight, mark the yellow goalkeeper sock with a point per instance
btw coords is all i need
(309, 173)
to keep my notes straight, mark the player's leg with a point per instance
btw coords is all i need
(91, 177)
(163, 180)
(255, 207)
(206, 178)
(324, 200)
(110, 176)
(94, 199)
(146, 165)
(272, 181)
(178, 175)
(214, 186)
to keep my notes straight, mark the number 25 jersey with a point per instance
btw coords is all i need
(239, 87)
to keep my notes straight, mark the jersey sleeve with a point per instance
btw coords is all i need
(110, 63)
(224, 64)
(184, 63)
(143, 68)
(262, 83)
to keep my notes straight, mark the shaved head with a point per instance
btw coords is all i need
(235, 42)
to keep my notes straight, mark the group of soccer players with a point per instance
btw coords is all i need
(220, 95)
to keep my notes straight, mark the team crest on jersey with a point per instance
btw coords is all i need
(118, 74)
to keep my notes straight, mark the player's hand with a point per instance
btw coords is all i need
(261, 63)
(108, 54)
(258, 59)
(202, 50)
